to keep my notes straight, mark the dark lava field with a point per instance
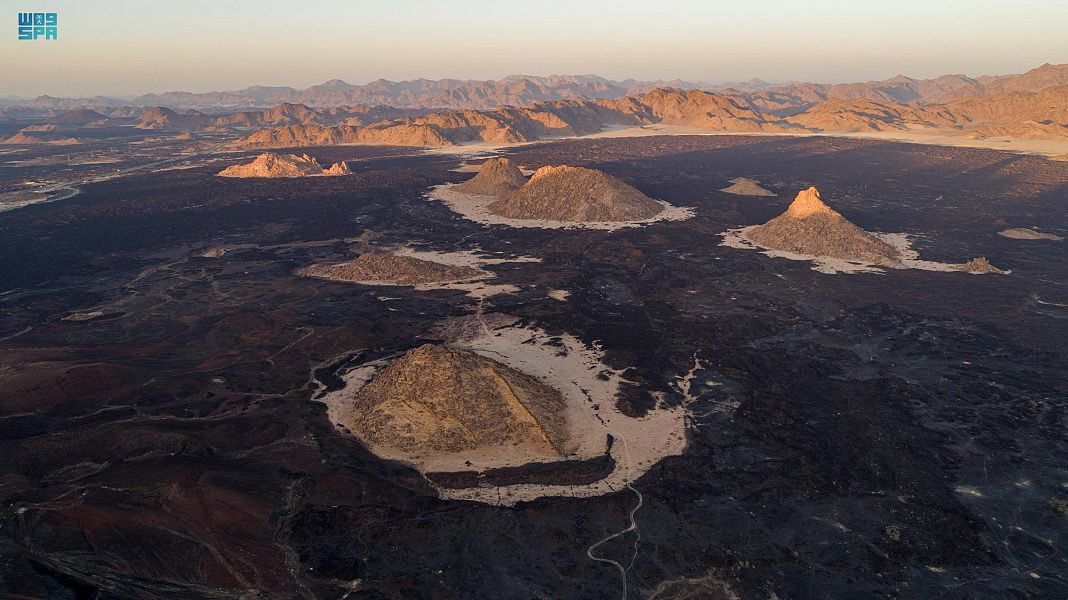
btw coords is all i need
(894, 435)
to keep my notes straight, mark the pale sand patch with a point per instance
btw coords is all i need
(475, 288)
(83, 316)
(737, 238)
(1055, 149)
(474, 148)
(589, 388)
(475, 208)
(463, 258)
(21, 198)
(560, 295)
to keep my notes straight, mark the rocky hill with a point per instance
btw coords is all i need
(575, 194)
(23, 137)
(1029, 115)
(270, 164)
(80, 116)
(392, 269)
(743, 186)
(496, 177)
(441, 399)
(522, 109)
(812, 228)
(538, 121)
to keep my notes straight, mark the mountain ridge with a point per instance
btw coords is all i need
(486, 94)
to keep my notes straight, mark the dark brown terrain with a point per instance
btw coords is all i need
(896, 435)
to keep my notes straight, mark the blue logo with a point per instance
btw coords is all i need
(37, 25)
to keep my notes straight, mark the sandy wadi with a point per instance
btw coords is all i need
(270, 164)
(813, 231)
(553, 197)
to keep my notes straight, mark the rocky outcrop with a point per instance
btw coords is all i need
(270, 164)
(743, 186)
(338, 168)
(1020, 233)
(706, 110)
(23, 137)
(441, 399)
(978, 265)
(862, 115)
(392, 269)
(812, 228)
(496, 177)
(575, 194)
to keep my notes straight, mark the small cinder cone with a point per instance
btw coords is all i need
(812, 228)
(441, 399)
(496, 177)
(576, 194)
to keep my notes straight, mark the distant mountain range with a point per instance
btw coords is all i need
(418, 93)
(521, 90)
(1033, 105)
(1024, 115)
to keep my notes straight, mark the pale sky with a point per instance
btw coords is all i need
(133, 47)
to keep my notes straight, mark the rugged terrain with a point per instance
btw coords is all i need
(985, 110)
(872, 436)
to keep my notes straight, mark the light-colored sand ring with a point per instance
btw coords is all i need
(574, 369)
(475, 208)
(909, 258)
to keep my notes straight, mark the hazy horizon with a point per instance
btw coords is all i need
(123, 48)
